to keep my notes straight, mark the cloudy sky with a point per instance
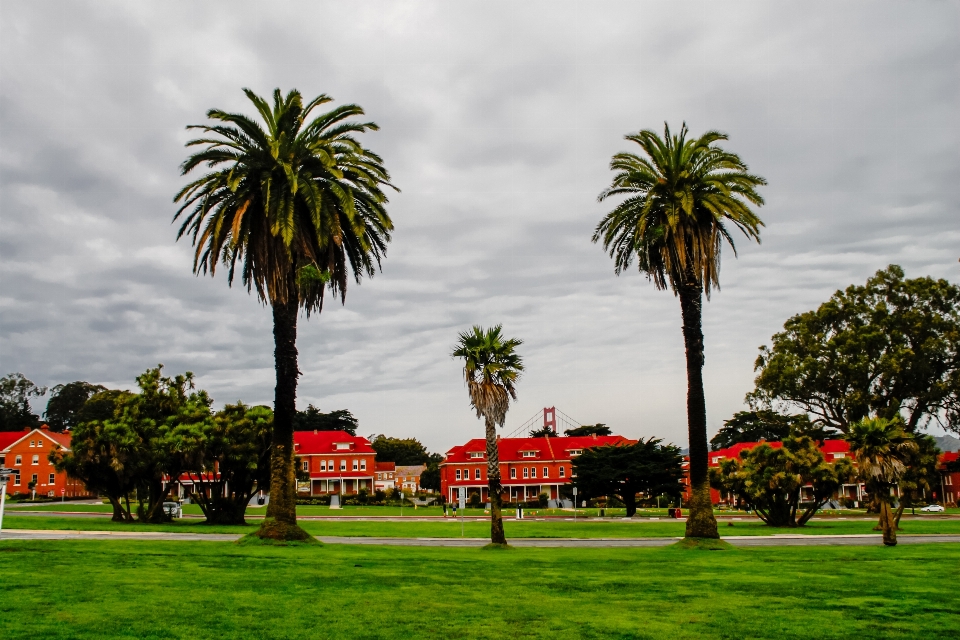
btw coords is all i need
(498, 120)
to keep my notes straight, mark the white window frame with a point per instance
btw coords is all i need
(331, 466)
(32, 445)
(18, 461)
(323, 465)
(546, 472)
(36, 461)
(533, 472)
(53, 478)
(526, 472)
(513, 473)
(343, 465)
(16, 479)
(476, 473)
(356, 465)
(529, 454)
(363, 465)
(306, 465)
(562, 471)
(458, 474)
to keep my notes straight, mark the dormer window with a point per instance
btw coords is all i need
(717, 459)
(529, 454)
(476, 454)
(343, 446)
(575, 452)
(839, 456)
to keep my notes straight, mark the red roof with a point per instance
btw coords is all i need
(8, 438)
(511, 449)
(323, 442)
(384, 466)
(949, 456)
(734, 451)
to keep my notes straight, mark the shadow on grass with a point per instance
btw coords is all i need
(496, 547)
(702, 544)
(254, 540)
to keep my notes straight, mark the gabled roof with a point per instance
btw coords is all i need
(10, 438)
(323, 442)
(411, 470)
(546, 448)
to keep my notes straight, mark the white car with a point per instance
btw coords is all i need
(933, 508)
(173, 509)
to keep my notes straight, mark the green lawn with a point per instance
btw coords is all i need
(146, 590)
(451, 528)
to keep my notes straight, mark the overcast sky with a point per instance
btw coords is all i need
(498, 121)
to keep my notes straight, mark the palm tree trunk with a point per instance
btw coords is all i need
(281, 520)
(700, 523)
(493, 484)
(888, 525)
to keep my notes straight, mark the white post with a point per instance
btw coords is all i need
(3, 499)
(574, 504)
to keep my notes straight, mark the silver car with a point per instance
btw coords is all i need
(173, 509)
(933, 508)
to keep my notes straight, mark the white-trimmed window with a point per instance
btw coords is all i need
(33, 479)
(575, 452)
(476, 473)
(526, 472)
(513, 473)
(16, 479)
(323, 465)
(476, 454)
(32, 444)
(53, 478)
(546, 472)
(363, 465)
(306, 465)
(948, 480)
(563, 471)
(529, 454)
(533, 472)
(343, 465)
(330, 466)
(36, 460)
(18, 461)
(356, 465)
(458, 474)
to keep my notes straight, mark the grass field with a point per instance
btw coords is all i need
(450, 528)
(146, 590)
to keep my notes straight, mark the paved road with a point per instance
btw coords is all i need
(739, 541)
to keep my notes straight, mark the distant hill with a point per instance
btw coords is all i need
(947, 443)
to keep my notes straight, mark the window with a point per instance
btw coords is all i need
(526, 472)
(546, 472)
(476, 473)
(562, 471)
(458, 474)
(343, 465)
(529, 454)
(32, 443)
(53, 478)
(16, 479)
(533, 472)
(513, 473)
(575, 452)
(363, 465)
(716, 459)
(839, 456)
(36, 459)
(306, 465)
(34, 478)
(948, 480)
(329, 465)
(323, 465)
(356, 465)
(343, 446)
(18, 461)
(476, 454)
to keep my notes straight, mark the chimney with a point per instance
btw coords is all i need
(498, 437)
(314, 432)
(44, 427)
(594, 435)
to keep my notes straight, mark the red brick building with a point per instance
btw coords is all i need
(528, 466)
(27, 453)
(949, 489)
(385, 472)
(336, 461)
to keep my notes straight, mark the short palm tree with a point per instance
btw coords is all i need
(297, 204)
(882, 449)
(491, 368)
(682, 197)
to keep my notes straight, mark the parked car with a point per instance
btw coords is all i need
(173, 509)
(933, 508)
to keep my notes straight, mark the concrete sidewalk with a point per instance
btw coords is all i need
(739, 541)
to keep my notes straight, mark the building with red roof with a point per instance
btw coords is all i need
(385, 472)
(528, 466)
(336, 462)
(27, 453)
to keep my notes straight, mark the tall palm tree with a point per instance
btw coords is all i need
(682, 195)
(297, 203)
(491, 368)
(882, 448)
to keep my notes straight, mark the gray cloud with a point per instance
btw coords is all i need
(498, 121)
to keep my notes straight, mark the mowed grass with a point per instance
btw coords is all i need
(145, 590)
(450, 528)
